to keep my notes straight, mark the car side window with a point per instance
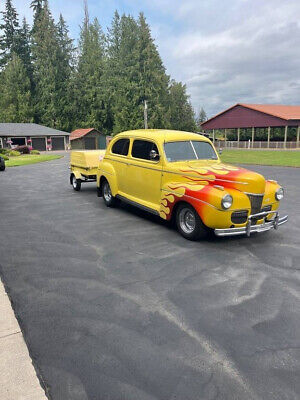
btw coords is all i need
(142, 148)
(121, 147)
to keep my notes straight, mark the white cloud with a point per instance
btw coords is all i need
(246, 52)
(226, 51)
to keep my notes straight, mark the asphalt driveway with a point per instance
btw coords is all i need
(115, 305)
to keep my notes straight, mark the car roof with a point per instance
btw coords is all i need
(163, 135)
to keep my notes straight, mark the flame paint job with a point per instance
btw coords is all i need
(161, 185)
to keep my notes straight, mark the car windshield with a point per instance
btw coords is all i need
(189, 150)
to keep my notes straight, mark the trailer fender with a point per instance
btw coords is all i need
(77, 175)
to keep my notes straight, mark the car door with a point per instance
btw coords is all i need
(119, 159)
(143, 180)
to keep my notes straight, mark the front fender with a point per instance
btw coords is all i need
(205, 198)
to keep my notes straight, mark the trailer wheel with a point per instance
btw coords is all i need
(2, 164)
(109, 199)
(76, 183)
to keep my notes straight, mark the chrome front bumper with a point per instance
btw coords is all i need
(248, 229)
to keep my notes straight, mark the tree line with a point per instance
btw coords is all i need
(102, 83)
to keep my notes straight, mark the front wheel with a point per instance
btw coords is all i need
(76, 183)
(189, 223)
(109, 199)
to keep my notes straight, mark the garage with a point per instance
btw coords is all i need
(90, 143)
(18, 141)
(58, 142)
(39, 144)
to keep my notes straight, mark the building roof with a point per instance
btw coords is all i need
(163, 135)
(78, 133)
(276, 110)
(27, 129)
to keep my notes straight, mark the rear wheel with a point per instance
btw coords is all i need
(109, 199)
(189, 223)
(76, 183)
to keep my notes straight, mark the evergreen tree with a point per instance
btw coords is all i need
(45, 52)
(15, 99)
(24, 51)
(37, 6)
(91, 107)
(9, 41)
(182, 114)
(154, 81)
(202, 117)
(65, 63)
(141, 76)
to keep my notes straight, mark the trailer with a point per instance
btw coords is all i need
(83, 166)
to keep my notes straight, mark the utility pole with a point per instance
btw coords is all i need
(145, 114)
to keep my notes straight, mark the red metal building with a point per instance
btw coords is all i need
(256, 116)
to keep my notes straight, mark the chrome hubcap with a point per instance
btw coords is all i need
(74, 181)
(187, 220)
(107, 192)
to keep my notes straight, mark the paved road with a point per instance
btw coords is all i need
(115, 305)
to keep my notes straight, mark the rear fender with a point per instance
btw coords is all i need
(107, 171)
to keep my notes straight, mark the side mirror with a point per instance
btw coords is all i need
(220, 150)
(154, 156)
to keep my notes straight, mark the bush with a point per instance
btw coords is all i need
(23, 149)
(4, 156)
(14, 153)
(34, 152)
(4, 151)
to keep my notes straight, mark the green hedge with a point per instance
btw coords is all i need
(14, 153)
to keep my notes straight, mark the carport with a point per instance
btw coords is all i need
(242, 117)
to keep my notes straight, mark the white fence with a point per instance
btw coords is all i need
(256, 145)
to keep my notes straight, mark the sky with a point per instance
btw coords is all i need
(225, 51)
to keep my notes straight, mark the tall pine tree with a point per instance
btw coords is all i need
(65, 65)
(9, 40)
(45, 52)
(181, 112)
(89, 83)
(15, 99)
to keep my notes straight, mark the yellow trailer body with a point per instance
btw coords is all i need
(83, 165)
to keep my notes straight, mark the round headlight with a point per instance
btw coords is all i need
(227, 201)
(279, 194)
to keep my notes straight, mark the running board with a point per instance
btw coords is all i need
(138, 205)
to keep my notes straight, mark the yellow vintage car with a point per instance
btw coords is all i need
(179, 176)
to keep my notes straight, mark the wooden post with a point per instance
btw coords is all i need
(269, 134)
(285, 136)
(213, 136)
(225, 137)
(253, 133)
(238, 137)
(298, 137)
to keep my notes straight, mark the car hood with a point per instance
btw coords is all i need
(217, 173)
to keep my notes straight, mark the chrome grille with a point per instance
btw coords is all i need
(256, 202)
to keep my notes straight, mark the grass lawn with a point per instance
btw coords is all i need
(30, 159)
(262, 157)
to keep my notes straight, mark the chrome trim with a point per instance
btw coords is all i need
(219, 187)
(255, 194)
(193, 198)
(248, 229)
(138, 205)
